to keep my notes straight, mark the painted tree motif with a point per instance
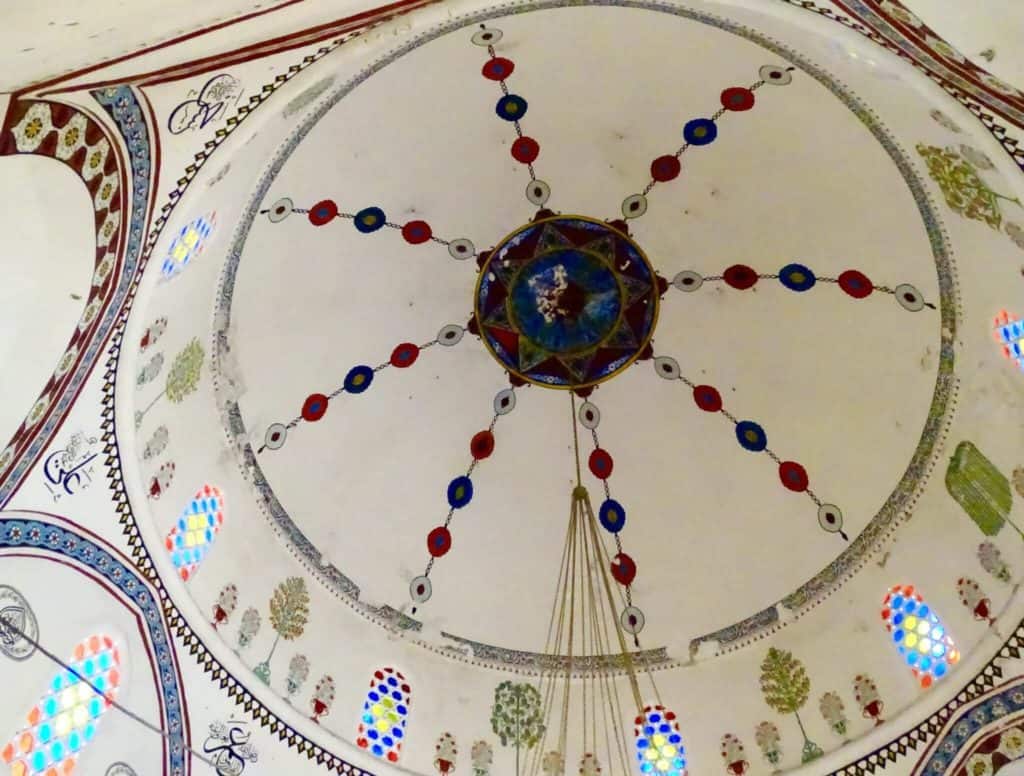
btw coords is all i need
(323, 697)
(991, 560)
(249, 628)
(157, 443)
(832, 709)
(553, 764)
(445, 753)
(981, 490)
(289, 613)
(734, 755)
(870, 702)
(481, 757)
(963, 188)
(149, 372)
(298, 672)
(225, 606)
(182, 378)
(785, 686)
(767, 737)
(1018, 480)
(974, 598)
(516, 716)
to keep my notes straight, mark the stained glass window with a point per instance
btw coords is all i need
(659, 747)
(1009, 332)
(64, 720)
(918, 634)
(382, 723)
(192, 537)
(188, 244)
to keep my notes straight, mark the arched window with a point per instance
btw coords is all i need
(382, 724)
(187, 245)
(659, 747)
(64, 720)
(918, 634)
(193, 535)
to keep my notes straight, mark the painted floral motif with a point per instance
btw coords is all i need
(832, 709)
(481, 757)
(870, 702)
(734, 755)
(991, 560)
(1013, 743)
(225, 606)
(785, 686)
(161, 481)
(1016, 233)
(978, 158)
(289, 613)
(71, 137)
(249, 628)
(553, 764)
(156, 444)
(943, 49)
(185, 372)
(66, 362)
(152, 333)
(445, 753)
(323, 697)
(34, 126)
(974, 598)
(899, 13)
(149, 372)
(963, 189)
(767, 737)
(943, 120)
(298, 672)
(589, 765)
(95, 160)
(979, 765)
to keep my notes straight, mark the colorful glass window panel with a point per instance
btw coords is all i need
(918, 634)
(188, 244)
(64, 721)
(382, 723)
(659, 747)
(1009, 332)
(192, 537)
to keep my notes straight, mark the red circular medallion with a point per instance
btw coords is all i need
(525, 150)
(855, 283)
(498, 69)
(322, 212)
(665, 168)
(623, 569)
(740, 276)
(793, 476)
(707, 398)
(481, 445)
(439, 541)
(405, 355)
(314, 407)
(600, 464)
(416, 232)
(737, 98)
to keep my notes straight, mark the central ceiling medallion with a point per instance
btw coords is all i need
(566, 302)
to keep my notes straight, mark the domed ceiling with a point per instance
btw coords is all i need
(722, 281)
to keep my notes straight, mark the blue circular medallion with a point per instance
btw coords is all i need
(797, 277)
(751, 436)
(369, 219)
(511, 107)
(358, 379)
(612, 516)
(700, 132)
(460, 492)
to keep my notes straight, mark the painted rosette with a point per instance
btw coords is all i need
(918, 635)
(460, 492)
(612, 516)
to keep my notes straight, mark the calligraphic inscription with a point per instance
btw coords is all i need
(205, 105)
(229, 747)
(17, 621)
(70, 469)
